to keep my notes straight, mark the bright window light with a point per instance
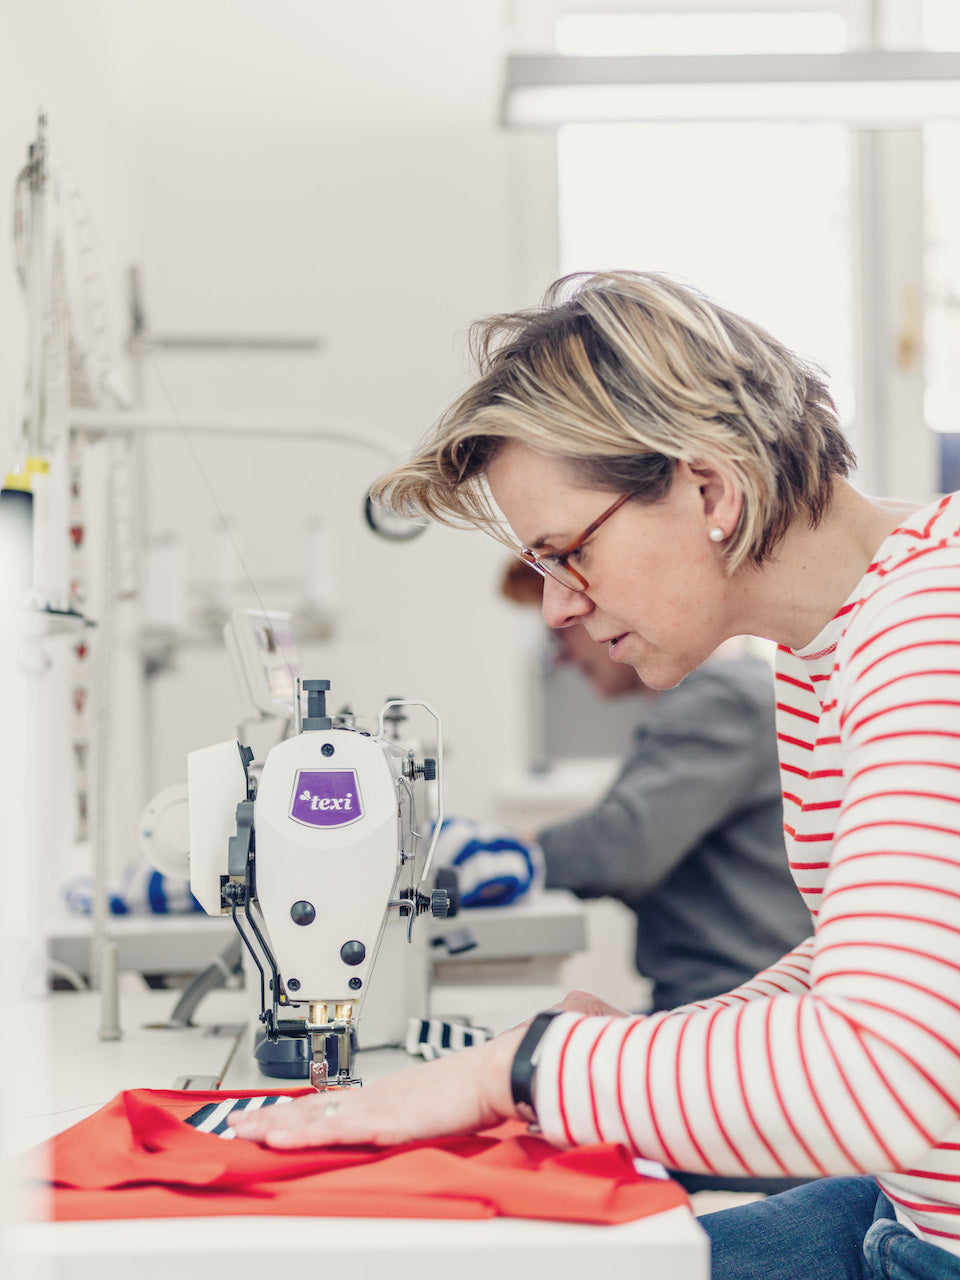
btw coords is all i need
(941, 24)
(941, 321)
(762, 65)
(942, 269)
(758, 214)
(700, 33)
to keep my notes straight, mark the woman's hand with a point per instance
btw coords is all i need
(461, 1093)
(592, 1006)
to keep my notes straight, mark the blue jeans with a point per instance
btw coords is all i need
(831, 1229)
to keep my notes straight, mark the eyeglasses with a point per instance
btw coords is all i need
(555, 566)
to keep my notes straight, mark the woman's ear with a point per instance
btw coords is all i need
(719, 497)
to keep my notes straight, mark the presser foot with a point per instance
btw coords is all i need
(321, 1080)
(333, 1086)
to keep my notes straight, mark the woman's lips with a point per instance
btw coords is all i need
(613, 646)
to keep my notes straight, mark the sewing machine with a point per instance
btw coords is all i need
(320, 863)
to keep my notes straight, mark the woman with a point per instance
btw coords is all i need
(689, 834)
(679, 477)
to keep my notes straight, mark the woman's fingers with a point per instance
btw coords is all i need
(461, 1093)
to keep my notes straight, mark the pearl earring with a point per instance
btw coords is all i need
(716, 534)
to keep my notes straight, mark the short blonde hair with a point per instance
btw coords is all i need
(622, 375)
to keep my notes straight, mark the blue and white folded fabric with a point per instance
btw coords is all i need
(494, 867)
(143, 891)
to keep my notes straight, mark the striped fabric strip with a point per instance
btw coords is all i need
(212, 1118)
(433, 1038)
(844, 1056)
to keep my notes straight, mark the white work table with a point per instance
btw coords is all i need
(89, 1072)
(530, 937)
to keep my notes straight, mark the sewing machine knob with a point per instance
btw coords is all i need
(426, 769)
(303, 912)
(353, 952)
(316, 717)
(440, 904)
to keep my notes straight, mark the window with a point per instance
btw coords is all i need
(941, 319)
(843, 241)
(758, 215)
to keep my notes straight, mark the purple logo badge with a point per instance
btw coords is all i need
(326, 798)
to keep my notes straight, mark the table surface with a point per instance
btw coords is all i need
(89, 1072)
(549, 924)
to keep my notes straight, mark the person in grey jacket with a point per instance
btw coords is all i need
(690, 834)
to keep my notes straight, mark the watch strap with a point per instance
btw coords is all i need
(523, 1070)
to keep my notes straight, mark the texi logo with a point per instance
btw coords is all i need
(326, 798)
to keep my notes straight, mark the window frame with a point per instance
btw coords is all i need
(888, 233)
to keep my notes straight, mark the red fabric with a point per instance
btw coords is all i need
(137, 1158)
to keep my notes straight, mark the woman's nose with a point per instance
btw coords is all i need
(561, 606)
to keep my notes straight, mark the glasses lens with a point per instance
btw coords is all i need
(554, 569)
(563, 574)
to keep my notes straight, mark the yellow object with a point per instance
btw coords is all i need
(23, 479)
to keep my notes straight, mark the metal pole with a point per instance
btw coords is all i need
(37, 287)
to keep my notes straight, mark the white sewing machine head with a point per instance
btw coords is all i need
(314, 862)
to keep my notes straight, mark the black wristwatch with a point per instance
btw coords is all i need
(524, 1069)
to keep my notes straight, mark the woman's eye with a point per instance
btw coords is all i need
(563, 558)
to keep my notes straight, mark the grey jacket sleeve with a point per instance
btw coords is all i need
(706, 751)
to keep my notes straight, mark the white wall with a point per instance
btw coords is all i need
(68, 60)
(314, 168)
(339, 172)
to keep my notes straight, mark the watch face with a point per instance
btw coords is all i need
(389, 525)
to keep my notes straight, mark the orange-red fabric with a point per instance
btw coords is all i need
(137, 1158)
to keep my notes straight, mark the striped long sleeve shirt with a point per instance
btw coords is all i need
(845, 1056)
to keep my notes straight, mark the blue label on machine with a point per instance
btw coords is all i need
(326, 797)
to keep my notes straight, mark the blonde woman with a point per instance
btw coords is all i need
(679, 477)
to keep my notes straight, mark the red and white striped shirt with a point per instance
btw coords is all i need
(845, 1056)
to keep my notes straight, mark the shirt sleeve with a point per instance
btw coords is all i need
(790, 975)
(697, 757)
(860, 1072)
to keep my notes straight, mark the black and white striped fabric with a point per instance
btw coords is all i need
(433, 1038)
(212, 1118)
